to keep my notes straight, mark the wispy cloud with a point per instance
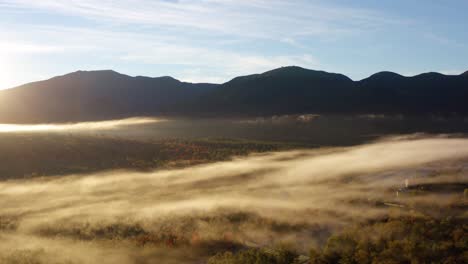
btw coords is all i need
(200, 63)
(205, 40)
(222, 64)
(259, 18)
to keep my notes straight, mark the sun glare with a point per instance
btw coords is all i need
(4, 75)
(85, 126)
(7, 69)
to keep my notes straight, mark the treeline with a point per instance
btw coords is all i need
(36, 155)
(406, 240)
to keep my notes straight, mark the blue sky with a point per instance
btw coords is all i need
(216, 40)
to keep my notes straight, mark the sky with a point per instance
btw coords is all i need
(216, 40)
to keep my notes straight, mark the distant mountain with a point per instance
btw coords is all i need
(427, 93)
(284, 90)
(297, 90)
(97, 95)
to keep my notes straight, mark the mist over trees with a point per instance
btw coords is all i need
(323, 205)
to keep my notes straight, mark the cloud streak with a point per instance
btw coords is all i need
(246, 18)
(196, 63)
(183, 37)
(200, 41)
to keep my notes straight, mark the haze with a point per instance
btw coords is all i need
(295, 189)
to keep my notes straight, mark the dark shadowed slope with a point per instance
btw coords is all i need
(281, 91)
(296, 90)
(101, 95)
(95, 95)
(427, 93)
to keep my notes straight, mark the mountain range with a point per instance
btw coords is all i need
(99, 95)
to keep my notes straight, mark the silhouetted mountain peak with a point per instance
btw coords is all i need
(386, 75)
(286, 70)
(292, 73)
(297, 72)
(162, 79)
(430, 76)
(96, 72)
(98, 75)
(168, 79)
(465, 74)
(107, 77)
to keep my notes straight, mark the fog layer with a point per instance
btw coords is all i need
(83, 126)
(298, 197)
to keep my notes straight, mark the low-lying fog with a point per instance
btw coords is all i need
(77, 127)
(319, 130)
(181, 216)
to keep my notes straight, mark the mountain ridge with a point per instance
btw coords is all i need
(241, 76)
(105, 94)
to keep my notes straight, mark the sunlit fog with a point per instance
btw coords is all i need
(83, 126)
(298, 197)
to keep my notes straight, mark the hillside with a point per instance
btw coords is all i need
(98, 95)
(95, 95)
(295, 90)
(281, 91)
